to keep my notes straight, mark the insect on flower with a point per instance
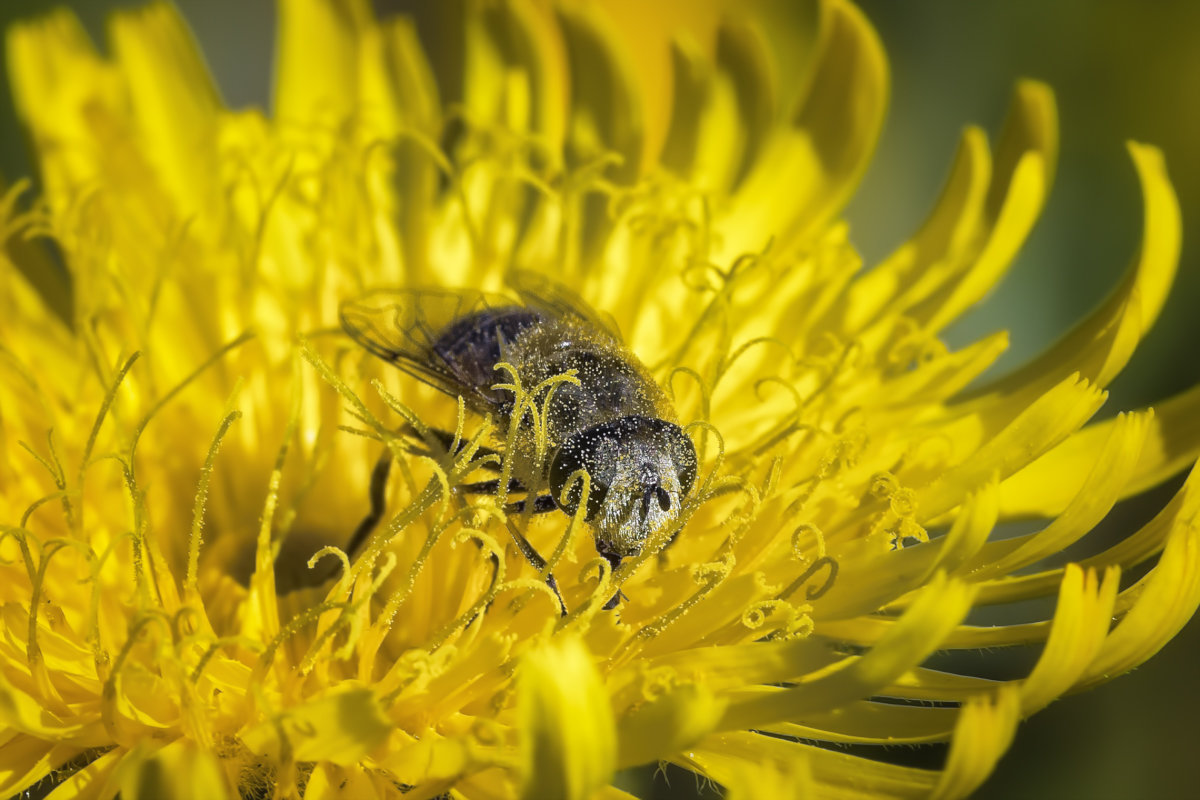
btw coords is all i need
(606, 416)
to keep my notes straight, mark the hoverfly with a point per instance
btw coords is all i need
(616, 422)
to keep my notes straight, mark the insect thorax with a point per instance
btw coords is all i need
(611, 382)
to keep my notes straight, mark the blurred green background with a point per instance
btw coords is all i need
(1121, 70)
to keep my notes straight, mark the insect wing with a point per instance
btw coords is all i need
(556, 300)
(401, 326)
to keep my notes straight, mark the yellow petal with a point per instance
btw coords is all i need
(693, 93)
(428, 761)
(1023, 203)
(1006, 444)
(317, 91)
(61, 89)
(21, 712)
(816, 155)
(1100, 346)
(755, 663)
(970, 238)
(1162, 603)
(1083, 613)
(970, 529)
(723, 108)
(1105, 479)
(96, 780)
(869, 722)
(667, 724)
(936, 379)
(1130, 551)
(341, 727)
(178, 770)
(174, 102)
(327, 782)
(843, 111)
(857, 590)
(25, 760)
(984, 731)
(941, 606)
(569, 747)
(1081, 622)
(1044, 487)
(1024, 160)
(405, 93)
(513, 76)
(612, 793)
(649, 30)
(942, 240)
(748, 780)
(39, 290)
(725, 757)
(605, 115)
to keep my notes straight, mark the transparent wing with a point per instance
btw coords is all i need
(402, 327)
(556, 300)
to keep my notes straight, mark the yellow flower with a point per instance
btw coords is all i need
(186, 452)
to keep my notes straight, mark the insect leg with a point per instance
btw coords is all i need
(446, 440)
(615, 600)
(378, 498)
(487, 487)
(542, 504)
(377, 493)
(614, 561)
(539, 563)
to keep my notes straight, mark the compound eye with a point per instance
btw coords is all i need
(683, 455)
(578, 452)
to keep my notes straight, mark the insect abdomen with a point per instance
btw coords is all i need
(473, 344)
(612, 384)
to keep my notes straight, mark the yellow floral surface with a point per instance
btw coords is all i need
(186, 452)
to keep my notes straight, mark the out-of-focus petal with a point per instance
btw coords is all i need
(569, 748)
(317, 91)
(664, 725)
(175, 102)
(342, 727)
(177, 770)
